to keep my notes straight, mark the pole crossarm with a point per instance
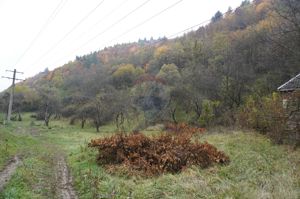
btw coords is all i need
(7, 77)
(11, 91)
(12, 78)
(14, 71)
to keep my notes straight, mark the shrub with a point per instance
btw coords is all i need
(208, 112)
(265, 115)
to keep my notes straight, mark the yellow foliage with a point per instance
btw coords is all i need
(263, 7)
(128, 69)
(29, 94)
(161, 50)
(124, 69)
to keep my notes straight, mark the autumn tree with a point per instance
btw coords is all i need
(247, 51)
(125, 75)
(170, 73)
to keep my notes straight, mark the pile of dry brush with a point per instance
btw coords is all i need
(158, 154)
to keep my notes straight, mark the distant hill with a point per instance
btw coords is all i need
(247, 51)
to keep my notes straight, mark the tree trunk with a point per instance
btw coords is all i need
(72, 121)
(19, 116)
(174, 116)
(120, 120)
(47, 116)
(47, 122)
(117, 120)
(197, 109)
(82, 123)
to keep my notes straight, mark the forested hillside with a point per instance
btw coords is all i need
(205, 77)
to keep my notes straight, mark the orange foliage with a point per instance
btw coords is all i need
(155, 155)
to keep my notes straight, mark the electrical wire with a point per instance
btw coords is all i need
(105, 17)
(110, 27)
(54, 13)
(190, 28)
(202, 23)
(145, 21)
(138, 25)
(114, 24)
(69, 32)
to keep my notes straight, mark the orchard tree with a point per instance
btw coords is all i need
(27, 98)
(99, 108)
(122, 107)
(178, 99)
(76, 108)
(19, 102)
(4, 100)
(49, 103)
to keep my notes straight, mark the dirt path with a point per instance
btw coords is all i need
(8, 171)
(64, 180)
(59, 185)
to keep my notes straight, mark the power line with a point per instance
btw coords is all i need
(68, 33)
(50, 18)
(110, 27)
(105, 17)
(203, 22)
(142, 23)
(114, 24)
(58, 10)
(182, 31)
(145, 21)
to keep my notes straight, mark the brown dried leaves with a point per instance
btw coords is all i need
(158, 154)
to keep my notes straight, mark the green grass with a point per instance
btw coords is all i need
(34, 176)
(258, 168)
(12, 143)
(33, 179)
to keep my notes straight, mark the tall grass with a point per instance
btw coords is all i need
(258, 168)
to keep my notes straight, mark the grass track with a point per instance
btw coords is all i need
(258, 168)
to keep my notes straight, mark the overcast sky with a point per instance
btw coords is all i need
(39, 34)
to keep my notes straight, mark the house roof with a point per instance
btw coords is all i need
(291, 85)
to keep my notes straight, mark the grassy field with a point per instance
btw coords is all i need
(258, 168)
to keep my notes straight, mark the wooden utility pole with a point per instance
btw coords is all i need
(12, 91)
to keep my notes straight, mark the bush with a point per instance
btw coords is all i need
(208, 112)
(156, 155)
(265, 115)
